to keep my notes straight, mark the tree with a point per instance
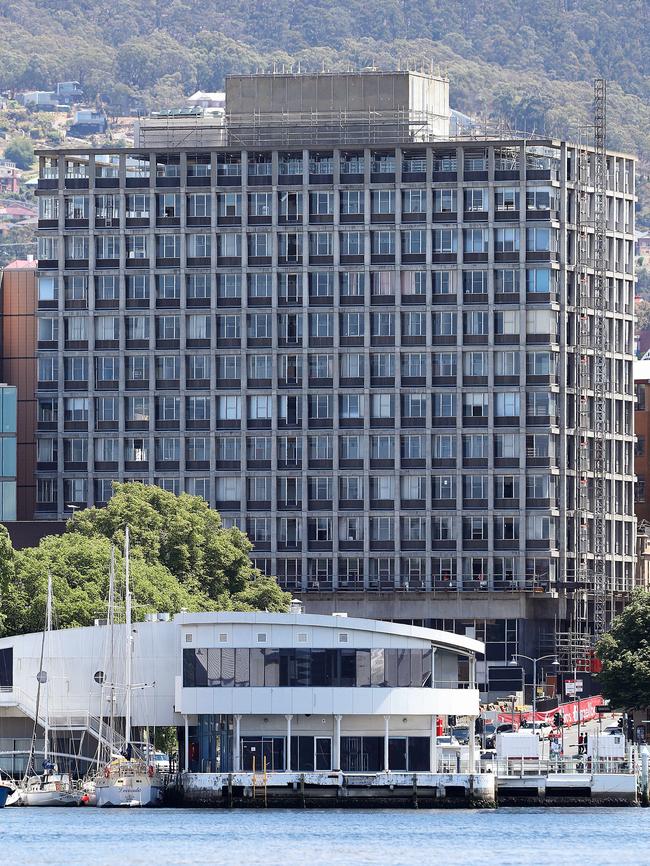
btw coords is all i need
(80, 576)
(7, 563)
(21, 151)
(186, 536)
(625, 654)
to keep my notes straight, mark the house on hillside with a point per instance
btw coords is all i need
(68, 92)
(9, 176)
(45, 100)
(88, 122)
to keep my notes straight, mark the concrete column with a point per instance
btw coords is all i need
(288, 761)
(186, 765)
(236, 759)
(433, 745)
(472, 744)
(337, 742)
(386, 743)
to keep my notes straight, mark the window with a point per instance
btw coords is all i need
(382, 447)
(382, 201)
(199, 246)
(260, 244)
(444, 405)
(229, 245)
(476, 199)
(352, 283)
(506, 281)
(442, 282)
(137, 247)
(321, 203)
(475, 405)
(228, 366)
(445, 240)
(506, 322)
(475, 240)
(352, 202)
(413, 283)
(382, 406)
(382, 243)
(506, 198)
(414, 201)
(475, 282)
(229, 408)
(137, 287)
(475, 364)
(506, 363)
(444, 201)
(506, 240)
(200, 204)
(414, 324)
(137, 206)
(414, 365)
(382, 365)
(321, 325)
(475, 446)
(351, 243)
(538, 280)
(506, 404)
(382, 324)
(443, 447)
(352, 324)
(475, 323)
(414, 242)
(106, 288)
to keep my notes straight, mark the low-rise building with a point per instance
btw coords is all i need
(293, 691)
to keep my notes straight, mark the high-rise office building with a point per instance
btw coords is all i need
(354, 336)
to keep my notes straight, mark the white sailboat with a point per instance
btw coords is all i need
(50, 788)
(129, 778)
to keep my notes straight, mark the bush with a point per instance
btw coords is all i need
(20, 151)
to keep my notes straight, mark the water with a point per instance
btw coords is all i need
(165, 837)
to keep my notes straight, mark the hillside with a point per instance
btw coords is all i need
(528, 62)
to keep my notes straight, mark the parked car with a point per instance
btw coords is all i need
(505, 728)
(161, 762)
(613, 729)
(462, 734)
(447, 741)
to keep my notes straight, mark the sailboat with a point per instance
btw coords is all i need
(129, 778)
(50, 788)
(7, 788)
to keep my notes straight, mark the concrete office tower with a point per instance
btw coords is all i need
(363, 353)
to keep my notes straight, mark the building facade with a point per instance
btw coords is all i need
(8, 436)
(364, 355)
(310, 693)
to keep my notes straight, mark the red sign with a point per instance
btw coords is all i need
(585, 708)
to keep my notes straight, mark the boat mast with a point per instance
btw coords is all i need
(129, 653)
(39, 679)
(48, 629)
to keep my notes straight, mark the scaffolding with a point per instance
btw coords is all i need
(587, 593)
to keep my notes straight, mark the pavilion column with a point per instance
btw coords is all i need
(386, 743)
(433, 745)
(472, 744)
(288, 717)
(337, 743)
(236, 757)
(186, 765)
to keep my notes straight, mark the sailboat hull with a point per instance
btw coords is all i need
(5, 791)
(51, 798)
(126, 791)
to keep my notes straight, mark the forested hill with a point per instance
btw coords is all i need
(530, 62)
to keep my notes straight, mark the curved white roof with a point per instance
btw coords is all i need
(442, 639)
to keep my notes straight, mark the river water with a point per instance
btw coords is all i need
(188, 837)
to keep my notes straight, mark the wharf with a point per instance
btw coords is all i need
(336, 789)
(402, 790)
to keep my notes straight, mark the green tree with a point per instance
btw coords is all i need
(80, 576)
(21, 151)
(625, 654)
(186, 536)
(7, 570)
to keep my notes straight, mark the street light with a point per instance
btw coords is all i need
(513, 662)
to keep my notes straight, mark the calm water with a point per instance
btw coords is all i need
(508, 837)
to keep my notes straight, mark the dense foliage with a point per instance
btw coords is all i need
(21, 151)
(625, 654)
(181, 557)
(530, 62)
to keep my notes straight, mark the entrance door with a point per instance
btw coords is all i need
(323, 753)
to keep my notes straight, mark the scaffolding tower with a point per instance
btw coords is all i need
(588, 590)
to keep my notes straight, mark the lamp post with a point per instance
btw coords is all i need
(555, 663)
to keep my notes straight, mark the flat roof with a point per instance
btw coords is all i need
(469, 140)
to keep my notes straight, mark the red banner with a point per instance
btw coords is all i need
(586, 708)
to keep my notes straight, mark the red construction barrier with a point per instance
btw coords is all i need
(586, 708)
